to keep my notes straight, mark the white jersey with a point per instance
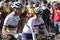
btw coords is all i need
(33, 24)
(11, 20)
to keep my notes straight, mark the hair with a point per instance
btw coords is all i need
(44, 1)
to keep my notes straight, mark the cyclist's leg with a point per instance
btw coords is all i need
(24, 37)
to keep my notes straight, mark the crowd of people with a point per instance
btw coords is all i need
(30, 19)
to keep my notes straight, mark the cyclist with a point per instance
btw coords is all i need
(30, 29)
(11, 22)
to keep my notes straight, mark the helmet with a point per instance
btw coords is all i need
(38, 10)
(16, 5)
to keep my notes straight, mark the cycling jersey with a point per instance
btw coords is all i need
(11, 22)
(33, 25)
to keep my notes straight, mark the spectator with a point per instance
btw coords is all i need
(30, 9)
(56, 17)
(4, 10)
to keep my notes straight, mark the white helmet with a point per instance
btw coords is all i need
(38, 10)
(15, 5)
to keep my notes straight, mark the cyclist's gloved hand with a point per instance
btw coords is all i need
(16, 35)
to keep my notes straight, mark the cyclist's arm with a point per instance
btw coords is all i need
(30, 23)
(19, 27)
(5, 32)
